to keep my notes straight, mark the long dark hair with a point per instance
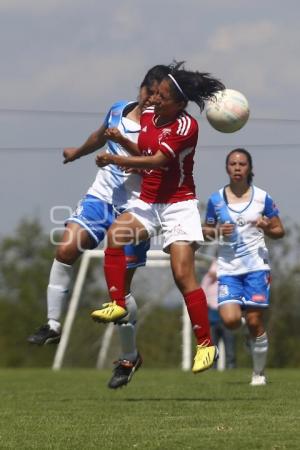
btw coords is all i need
(195, 86)
(249, 159)
(156, 73)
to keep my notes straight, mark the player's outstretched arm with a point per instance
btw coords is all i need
(95, 141)
(136, 162)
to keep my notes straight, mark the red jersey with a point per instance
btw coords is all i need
(177, 140)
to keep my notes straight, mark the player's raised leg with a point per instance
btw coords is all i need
(75, 239)
(130, 231)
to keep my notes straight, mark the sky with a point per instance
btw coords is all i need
(64, 62)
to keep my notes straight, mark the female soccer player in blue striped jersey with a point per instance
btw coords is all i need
(239, 215)
(87, 226)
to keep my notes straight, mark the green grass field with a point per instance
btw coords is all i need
(160, 409)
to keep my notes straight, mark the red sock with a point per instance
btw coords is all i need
(197, 308)
(115, 271)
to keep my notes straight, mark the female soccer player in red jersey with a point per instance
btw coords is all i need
(167, 202)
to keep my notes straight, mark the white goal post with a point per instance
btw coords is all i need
(155, 258)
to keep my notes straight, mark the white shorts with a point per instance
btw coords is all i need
(175, 221)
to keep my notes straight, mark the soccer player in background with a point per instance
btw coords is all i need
(217, 328)
(239, 215)
(87, 226)
(167, 203)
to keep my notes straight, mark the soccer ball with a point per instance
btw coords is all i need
(228, 111)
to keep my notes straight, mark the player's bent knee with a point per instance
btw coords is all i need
(131, 307)
(67, 254)
(117, 237)
(232, 322)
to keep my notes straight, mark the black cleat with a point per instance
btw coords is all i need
(124, 371)
(44, 335)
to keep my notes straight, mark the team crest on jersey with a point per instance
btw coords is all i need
(165, 133)
(240, 221)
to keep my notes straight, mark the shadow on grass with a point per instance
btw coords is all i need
(183, 399)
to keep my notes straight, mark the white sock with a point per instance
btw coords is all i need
(54, 325)
(58, 288)
(243, 322)
(259, 350)
(127, 332)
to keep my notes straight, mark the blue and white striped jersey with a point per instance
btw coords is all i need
(245, 250)
(113, 185)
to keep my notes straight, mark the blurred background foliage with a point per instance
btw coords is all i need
(25, 261)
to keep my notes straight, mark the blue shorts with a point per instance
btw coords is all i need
(248, 290)
(96, 216)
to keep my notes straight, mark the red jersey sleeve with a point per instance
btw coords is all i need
(184, 134)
